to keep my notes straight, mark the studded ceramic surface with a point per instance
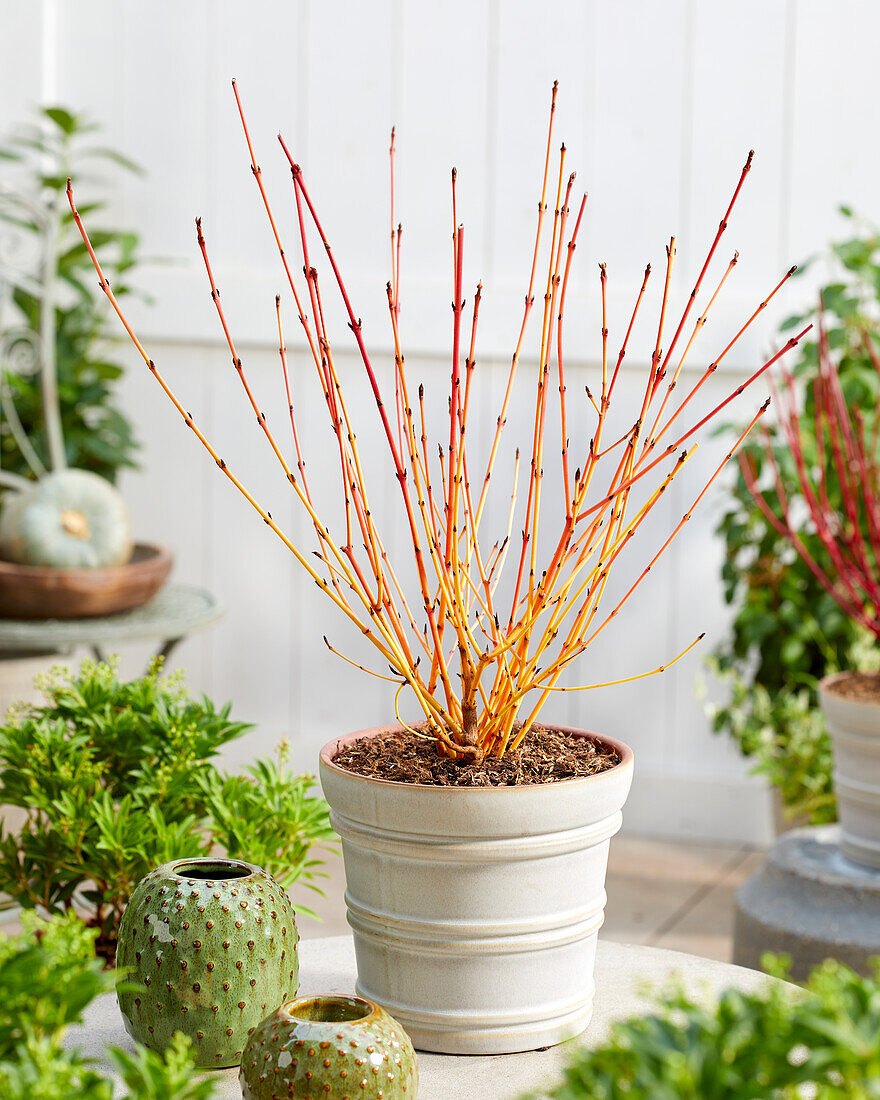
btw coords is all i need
(329, 1048)
(214, 943)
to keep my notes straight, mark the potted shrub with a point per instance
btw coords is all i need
(787, 631)
(836, 472)
(113, 778)
(475, 838)
(64, 529)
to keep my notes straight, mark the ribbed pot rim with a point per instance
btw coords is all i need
(332, 747)
(828, 682)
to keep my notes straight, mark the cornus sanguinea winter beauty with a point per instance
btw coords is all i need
(480, 672)
(847, 444)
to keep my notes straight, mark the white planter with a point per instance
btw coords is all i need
(855, 733)
(475, 911)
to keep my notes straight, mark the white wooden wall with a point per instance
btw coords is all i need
(658, 105)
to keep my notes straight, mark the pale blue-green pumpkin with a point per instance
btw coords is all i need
(70, 519)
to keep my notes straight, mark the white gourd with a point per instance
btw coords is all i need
(70, 519)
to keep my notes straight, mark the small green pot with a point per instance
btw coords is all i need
(213, 941)
(329, 1048)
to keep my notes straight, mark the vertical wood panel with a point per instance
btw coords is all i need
(24, 81)
(251, 566)
(444, 51)
(272, 83)
(168, 496)
(345, 150)
(334, 695)
(84, 75)
(735, 104)
(834, 110)
(640, 637)
(533, 51)
(641, 79)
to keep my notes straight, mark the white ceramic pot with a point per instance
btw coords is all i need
(854, 727)
(475, 910)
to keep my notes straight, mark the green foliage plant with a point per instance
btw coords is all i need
(56, 375)
(779, 1043)
(118, 777)
(787, 631)
(48, 977)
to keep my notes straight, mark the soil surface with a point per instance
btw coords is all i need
(545, 756)
(860, 687)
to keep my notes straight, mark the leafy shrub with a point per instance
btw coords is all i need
(118, 777)
(97, 436)
(779, 1043)
(785, 732)
(48, 977)
(788, 632)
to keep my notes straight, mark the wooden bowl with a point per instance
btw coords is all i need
(43, 592)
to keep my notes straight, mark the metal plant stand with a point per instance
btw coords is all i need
(174, 613)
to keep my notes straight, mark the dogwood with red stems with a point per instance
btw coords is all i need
(480, 672)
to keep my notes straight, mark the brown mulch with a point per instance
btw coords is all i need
(545, 756)
(861, 687)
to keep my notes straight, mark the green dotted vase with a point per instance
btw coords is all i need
(329, 1048)
(213, 943)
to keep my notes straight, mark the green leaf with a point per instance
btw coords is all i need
(62, 118)
(171, 1076)
(115, 157)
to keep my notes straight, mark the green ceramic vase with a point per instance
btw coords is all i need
(329, 1048)
(213, 942)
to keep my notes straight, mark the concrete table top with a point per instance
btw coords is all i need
(328, 966)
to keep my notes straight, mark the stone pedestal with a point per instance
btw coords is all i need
(810, 902)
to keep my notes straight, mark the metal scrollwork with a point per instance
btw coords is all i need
(26, 235)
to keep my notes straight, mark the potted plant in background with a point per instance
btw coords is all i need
(114, 778)
(64, 529)
(787, 630)
(476, 839)
(836, 471)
